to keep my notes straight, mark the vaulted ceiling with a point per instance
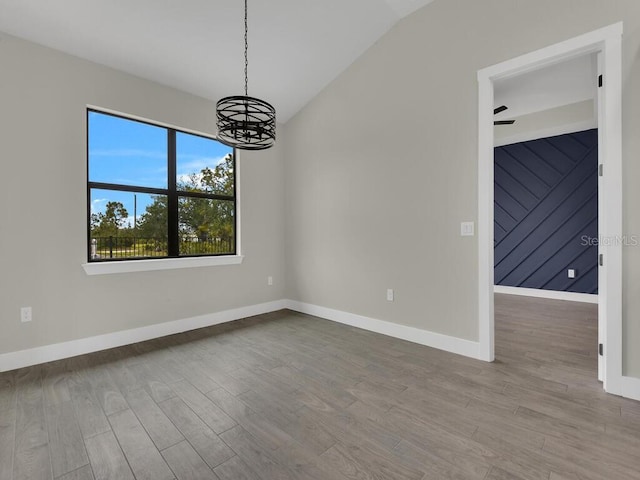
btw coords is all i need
(296, 47)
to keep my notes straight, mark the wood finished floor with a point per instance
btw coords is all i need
(289, 396)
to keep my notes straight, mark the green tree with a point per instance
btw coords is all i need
(110, 222)
(153, 222)
(209, 219)
(199, 218)
(220, 179)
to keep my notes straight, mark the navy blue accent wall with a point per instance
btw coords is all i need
(546, 205)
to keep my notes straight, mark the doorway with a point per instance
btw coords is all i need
(605, 44)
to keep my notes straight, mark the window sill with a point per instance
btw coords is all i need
(128, 266)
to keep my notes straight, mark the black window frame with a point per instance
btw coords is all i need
(172, 193)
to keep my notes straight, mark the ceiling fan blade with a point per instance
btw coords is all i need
(501, 108)
(504, 122)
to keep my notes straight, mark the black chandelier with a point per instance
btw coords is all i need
(245, 122)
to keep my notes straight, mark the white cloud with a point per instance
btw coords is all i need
(196, 164)
(186, 178)
(95, 204)
(128, 222)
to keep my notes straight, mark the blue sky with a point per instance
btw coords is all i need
(134, 153)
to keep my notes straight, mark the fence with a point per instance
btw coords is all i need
(138, 247)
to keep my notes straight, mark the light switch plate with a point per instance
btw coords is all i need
(466, 229)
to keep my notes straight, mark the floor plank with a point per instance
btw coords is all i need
(66, 444)
(106, 391)
(208, 411)
(8, 408)
(204, 440)
(90, 415)
(83, 473)
(161, 430)
(259, 459)
(142, 455)
(32, 459)
(54, 383)
(355, 461)
(186, 463)
(107, 460)
(235, 469)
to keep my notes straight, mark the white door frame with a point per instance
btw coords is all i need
(607, 44)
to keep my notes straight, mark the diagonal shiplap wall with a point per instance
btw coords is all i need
(546, 213)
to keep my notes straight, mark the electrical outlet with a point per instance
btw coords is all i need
(269, 280)
(571, 273)
(390, 294)
(25, 314)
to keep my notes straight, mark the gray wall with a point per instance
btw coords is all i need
(574, 117)
(382, 165)
(43, 96)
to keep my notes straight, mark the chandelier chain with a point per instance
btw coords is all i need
(246, 49)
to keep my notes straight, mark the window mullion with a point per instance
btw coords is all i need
(126, 188)
(235, 204)
(172, 200)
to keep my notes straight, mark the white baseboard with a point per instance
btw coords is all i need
(460, 346)
(539, 293)
(627, 387)
(58, 351)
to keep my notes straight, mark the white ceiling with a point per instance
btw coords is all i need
(558, 85)
(296, 47)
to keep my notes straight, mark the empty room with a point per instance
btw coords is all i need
(304, 239)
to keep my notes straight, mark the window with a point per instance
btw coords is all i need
(157, 192)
